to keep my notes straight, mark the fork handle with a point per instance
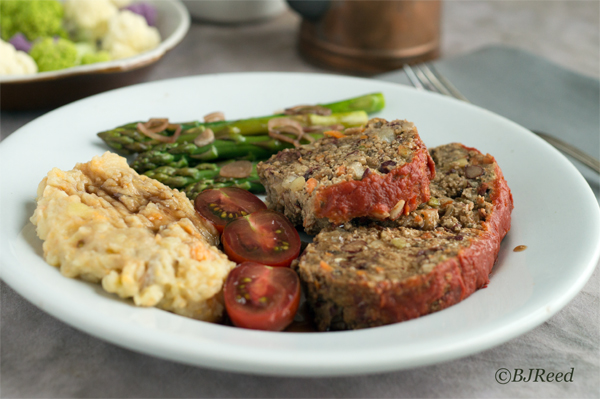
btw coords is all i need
(576, 153)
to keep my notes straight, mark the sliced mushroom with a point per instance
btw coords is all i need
(278, 126)
(155, 125)
(204, 138)
(214, 117)
(236, 170)
(141, 127)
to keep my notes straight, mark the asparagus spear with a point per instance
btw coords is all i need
(127, 140)
(201, 177)
(194, 189)
(181, 155)
(181, 177)
(369, 103)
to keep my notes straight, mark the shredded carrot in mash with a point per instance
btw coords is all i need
(334, 133)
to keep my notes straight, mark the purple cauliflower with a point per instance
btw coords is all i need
(20, 42)
(145, 10)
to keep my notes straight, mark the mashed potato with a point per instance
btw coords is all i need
(102, 222)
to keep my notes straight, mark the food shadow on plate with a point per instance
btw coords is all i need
(30, 236)
(503, 258)
(101, 146)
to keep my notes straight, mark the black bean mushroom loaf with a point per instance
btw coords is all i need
(381, 172)
(379, 273)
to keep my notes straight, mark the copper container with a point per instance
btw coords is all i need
(368, 36)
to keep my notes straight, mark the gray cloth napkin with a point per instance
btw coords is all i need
(531, 91)
(43, 357)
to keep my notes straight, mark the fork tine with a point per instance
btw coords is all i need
(412, 77)
(425, 80)
(435, 81)
(449, 86)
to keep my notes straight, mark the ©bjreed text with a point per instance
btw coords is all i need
(504, 376)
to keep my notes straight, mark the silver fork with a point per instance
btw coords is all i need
(426, 77)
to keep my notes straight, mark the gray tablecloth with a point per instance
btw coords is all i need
(43, 357)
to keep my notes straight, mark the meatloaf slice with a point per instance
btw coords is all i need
(379, 172)
(378, 273)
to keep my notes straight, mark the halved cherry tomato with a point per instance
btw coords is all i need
(222, 205)
(262, 297)
(264, 236)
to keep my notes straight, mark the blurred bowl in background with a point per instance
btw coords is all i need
(56, 88)
(234, 11)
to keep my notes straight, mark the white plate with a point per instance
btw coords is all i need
(556, 215)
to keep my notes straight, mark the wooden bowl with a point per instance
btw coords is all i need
(56, 88)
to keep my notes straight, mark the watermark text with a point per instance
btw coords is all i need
(504, 376)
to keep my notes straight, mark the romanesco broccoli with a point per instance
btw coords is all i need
(51, 54)
(92, 58)
(87, 54)
(34, 18)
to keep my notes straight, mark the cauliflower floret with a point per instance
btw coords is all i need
(13, 62)
(121, 3)
(146, 10)
(128, 35)
(90, 18)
